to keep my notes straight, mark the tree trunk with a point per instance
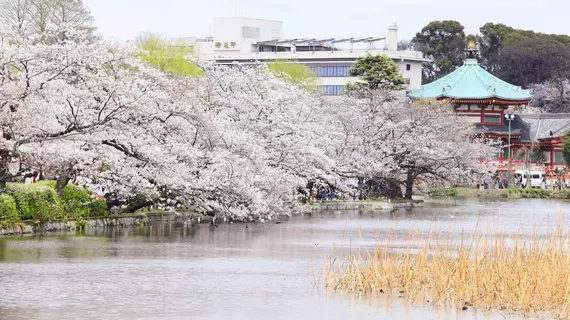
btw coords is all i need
(3, 177)
(409, 185)
(394, 189)
(61, 183)
(361, 189)
(137, 203)
(2, 184)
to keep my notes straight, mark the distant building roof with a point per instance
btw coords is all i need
(470, 81)
(546, 125)
(531, 128)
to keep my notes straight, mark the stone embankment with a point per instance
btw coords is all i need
(124, 221)
(360, 205)
(179, 219)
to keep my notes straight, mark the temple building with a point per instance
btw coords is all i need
(485, 100)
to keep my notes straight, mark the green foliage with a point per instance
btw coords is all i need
(294, 72)
(40, 202)
(533, 61)
(35, 203)
(521, 57)
(168, 56)
(530, 193)
(493, 37)
(377, 72)
(442, 192)
(8, 209)
(443, 42)
(566, 147)
(78, 202)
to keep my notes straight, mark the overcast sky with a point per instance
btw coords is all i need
(123, 20)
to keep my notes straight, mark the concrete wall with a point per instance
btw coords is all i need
(244, 32)
(414, 74)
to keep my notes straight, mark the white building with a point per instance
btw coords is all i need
(252, 41)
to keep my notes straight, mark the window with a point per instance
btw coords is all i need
(558, 157)
(546, 156)
(408, 67)
(250, 32)
(332, 90)
(331, 71)
(536, 155)
(492, 119)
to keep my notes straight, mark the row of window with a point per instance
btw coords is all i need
(331, 71)
(332, 90)
(535, 156)
(337, 71)
(492, 119)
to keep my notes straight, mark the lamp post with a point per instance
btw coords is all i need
(509, 117)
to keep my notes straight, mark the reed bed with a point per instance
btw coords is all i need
(526, 273)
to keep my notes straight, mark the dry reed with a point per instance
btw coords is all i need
(523, 273)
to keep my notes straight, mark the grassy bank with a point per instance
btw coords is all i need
(499, 193)
(528, 276)
(40, 202)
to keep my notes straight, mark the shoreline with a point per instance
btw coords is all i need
(180, 219)
(512, 193)
(30, 227)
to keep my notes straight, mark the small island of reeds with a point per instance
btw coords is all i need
(523, 273)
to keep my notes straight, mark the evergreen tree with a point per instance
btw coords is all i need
(377, 72)
(443, 43)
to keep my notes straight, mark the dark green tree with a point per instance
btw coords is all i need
(443, 42)
(534, 61)
(493, 36)
(377, 72)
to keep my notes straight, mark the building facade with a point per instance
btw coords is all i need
(254, 41)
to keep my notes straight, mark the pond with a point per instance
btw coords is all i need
(233, 272)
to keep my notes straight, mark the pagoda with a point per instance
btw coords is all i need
(476, 94)
(482, 98)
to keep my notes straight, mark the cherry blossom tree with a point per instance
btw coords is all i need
(236, 142)
(60, 97)
(387, 135)
(552, 96)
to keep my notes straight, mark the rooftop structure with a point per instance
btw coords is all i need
(475, 93)
(536, 139)
(483, 99)
(253, 41)
(472, 84)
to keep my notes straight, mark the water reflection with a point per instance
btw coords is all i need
(258, 272)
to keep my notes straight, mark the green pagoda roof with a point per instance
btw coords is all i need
(471, 82)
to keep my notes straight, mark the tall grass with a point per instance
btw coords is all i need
(522, 273)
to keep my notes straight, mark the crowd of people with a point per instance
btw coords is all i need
(324, 193)
(553, 179)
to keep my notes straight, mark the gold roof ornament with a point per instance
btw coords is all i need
(471, 50)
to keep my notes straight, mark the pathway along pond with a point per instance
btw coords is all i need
(232, 272)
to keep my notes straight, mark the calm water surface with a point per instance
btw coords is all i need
(234, 272)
